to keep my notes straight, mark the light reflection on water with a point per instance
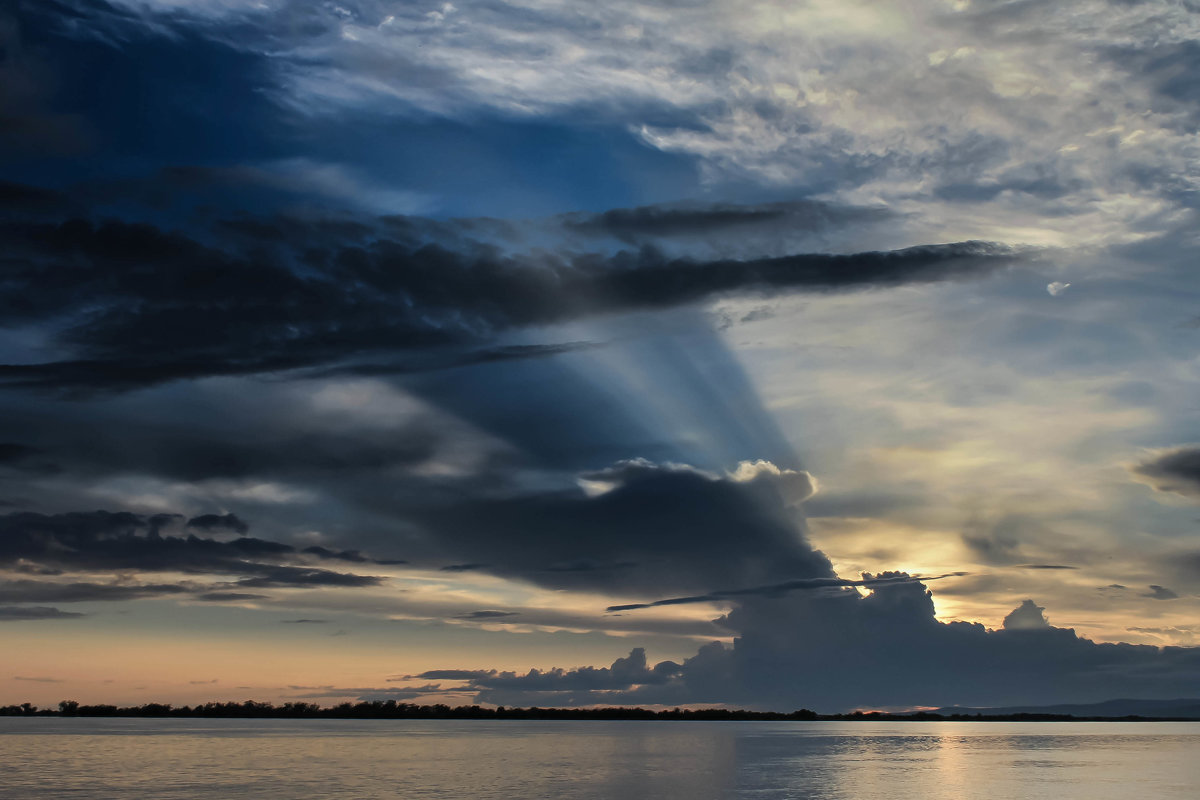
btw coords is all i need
(370, 760)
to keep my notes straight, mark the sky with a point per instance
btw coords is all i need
(822, 354)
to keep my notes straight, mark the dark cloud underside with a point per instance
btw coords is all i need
(226, 308)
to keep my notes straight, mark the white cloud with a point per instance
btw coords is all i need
(795, 485)
(1041, 122)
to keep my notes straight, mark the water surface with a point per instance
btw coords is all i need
(179, 759)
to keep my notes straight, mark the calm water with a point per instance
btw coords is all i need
(316, 759)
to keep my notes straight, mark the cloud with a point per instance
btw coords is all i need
(34, 613)
(624, 673)
(1176, 470)
(637, 526)
(1056, 288)
(368, 693)
(103, 540)
(228, 597)
(1040, 113)
(780, 589)
(29, 123)
(230, 309)
(722, 219)
(28, 591)
(1027, 617)
(485, 615)
(795, 485)
(37, 679)
(1160, 593)
(838, 650)
(219, 522)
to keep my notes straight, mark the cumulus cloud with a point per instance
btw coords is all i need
(838, 650)
(796, 485)
(641, 527)
(1057, 287)
(1027, 617)
(566, 684)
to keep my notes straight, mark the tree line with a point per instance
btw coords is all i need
(389, 709)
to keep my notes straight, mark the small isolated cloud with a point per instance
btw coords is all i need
(1057, 287)
(36, 679)
(305, 621)
(1176, 471)
(1160, 593)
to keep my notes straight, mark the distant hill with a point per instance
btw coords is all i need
(1186, 708)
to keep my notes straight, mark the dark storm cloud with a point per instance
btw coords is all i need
(103, 540)
(351, 556)
(236, 449)
(840, 650)
(270, 576)
(654, 528)
(438, 359)
(24, 458)
(124, 319)
(228, 597)
(1175, 471)
(29, 123)
(17, 197)
(27, 591)
(660, 221)
(34, 613)
(780, 589)
(219, 522)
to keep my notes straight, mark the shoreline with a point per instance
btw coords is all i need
(399, 711)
